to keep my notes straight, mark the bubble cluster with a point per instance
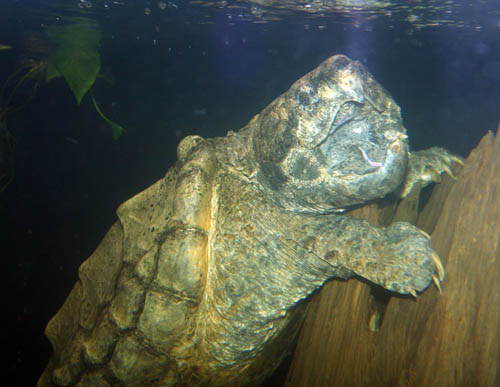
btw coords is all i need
(84, 4)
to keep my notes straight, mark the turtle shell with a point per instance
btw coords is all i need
(134, 316)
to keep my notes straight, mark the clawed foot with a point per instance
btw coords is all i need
(427, 166)
(413, 264)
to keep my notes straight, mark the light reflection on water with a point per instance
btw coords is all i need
(472, 15)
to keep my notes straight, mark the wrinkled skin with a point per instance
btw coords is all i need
(200, 281)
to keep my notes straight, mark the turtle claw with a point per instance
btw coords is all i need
(440, 272)
(438, 285)
(448, 170)
(457, 159)
(439, 266)
(425, 234)
(427, 166)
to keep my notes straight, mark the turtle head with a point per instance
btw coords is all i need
(335, 139)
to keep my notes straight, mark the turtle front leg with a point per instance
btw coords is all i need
(427, 166)
(398, 258)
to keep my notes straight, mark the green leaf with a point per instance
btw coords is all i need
(117, 129)
(76, 57)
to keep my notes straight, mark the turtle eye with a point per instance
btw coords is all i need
(307, 101)
(304, 99)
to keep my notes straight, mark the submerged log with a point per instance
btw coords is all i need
(356, 335)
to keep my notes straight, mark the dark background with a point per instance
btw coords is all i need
(70, 175)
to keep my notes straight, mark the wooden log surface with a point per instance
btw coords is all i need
(357, 335)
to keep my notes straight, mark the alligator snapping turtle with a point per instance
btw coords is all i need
(199, 281)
